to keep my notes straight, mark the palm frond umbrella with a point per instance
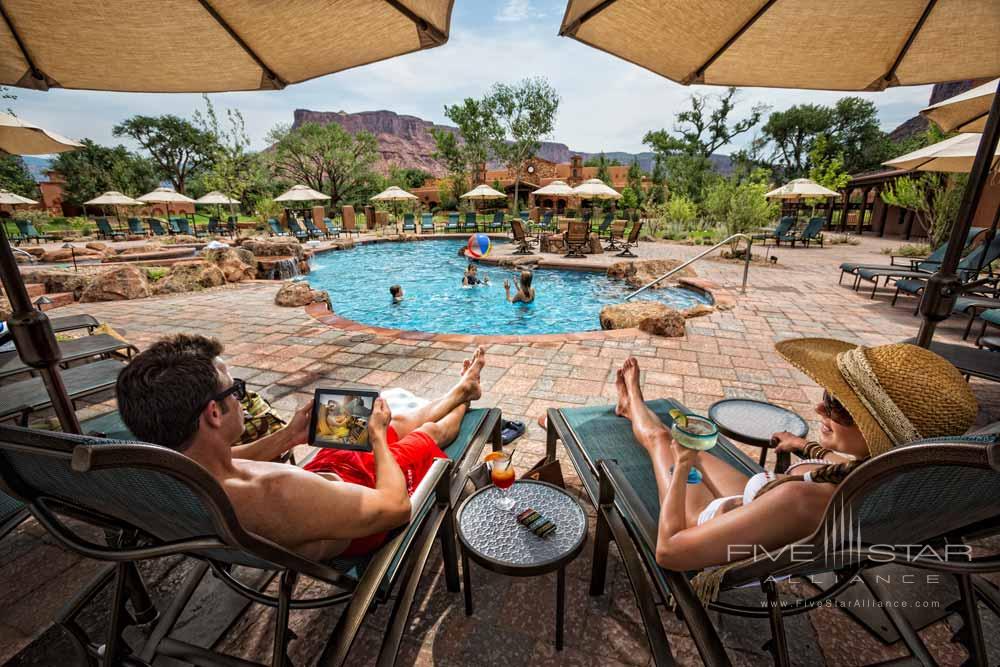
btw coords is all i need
(165, 196)
(112, 198)
(483, 192)
(19, 137)
(965, 112)
(866, 46)
(217, 198)
(394, 194)
(595, 189)
(213, 47)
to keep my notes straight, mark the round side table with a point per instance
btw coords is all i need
(495, 540)
(753, 422)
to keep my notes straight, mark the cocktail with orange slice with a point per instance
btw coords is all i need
(502, 473)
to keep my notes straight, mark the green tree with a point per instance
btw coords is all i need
(934, 199)
(634, 180)
(234, 169)
(477, 125)
(740, 205)
(827, 170)
(629, 200)
(94, 169)
(177, 147)
(327, 158)
(601, 159)
(603, 173)
(681, 211)
(525, 114)
(792, 134)
(856, 134)
(657, 183)
(698, 133)
(15, 177)
(408, 177)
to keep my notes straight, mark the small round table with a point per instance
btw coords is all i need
(495, 540)
(753, 422)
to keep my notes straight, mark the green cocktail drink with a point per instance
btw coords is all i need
(694, 432)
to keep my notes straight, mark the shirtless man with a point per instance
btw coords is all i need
(179, 394)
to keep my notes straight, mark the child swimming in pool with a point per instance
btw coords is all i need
(471, 277)
(525, 292)
(397, 293)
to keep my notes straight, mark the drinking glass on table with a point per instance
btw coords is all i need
(502, 474)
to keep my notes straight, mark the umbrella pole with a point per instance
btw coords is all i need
(34, 338)
(944, 287)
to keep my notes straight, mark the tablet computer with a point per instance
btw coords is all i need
(340, 419)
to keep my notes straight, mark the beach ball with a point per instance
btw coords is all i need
(479, 245)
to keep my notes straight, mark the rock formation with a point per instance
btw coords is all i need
(126, 282)
(299, 293)
(190, 277)
(641, 272)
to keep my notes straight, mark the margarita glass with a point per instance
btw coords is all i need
(694, 432)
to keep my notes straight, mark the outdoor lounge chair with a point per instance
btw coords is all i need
(13, 235)
(12, 513)
(295, 229)
(185, 227)
(967, 270)
(632, 241)
(577, 238)
(451, 227)
(22, 398)
(927, 264)
(426, 223)
(74, 322)
(156, 227)
(926, 493)
(75, 349)
(135, 227)
(106, 231)
(231, 225)
(331, 227)
(545, 224)
(496, 224)
(470, 225)
(315, 230)
(29, 233)
(785, 226)
(970, 361)
(275, 228)
(521, 238)
(524, 216)
(349, 224)
(174, 226)
(409, 223)
(162, 503)
(615, 235)
(214, 228)
(604, 229)
(813, 233)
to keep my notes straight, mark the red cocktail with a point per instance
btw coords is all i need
(502, 474)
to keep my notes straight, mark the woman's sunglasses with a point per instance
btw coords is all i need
(836, 411)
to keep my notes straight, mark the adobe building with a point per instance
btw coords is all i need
(53, 191)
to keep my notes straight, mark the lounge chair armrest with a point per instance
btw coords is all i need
(428, 486)
(615, 488)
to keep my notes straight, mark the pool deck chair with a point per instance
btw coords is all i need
(577, 238)
(426, 223)
(316, 231)
(496, 224)
(813, 233)
(631, 241)
(521, 238)
(231, 225)
(615, 235)
(275, 228)
(452, 226)
(409, 223)
(332, 228)
(106, 231)
(967, 270)
(296, 229)
(74, 349)
(349, 224)
(785, 225)
(28, 231)
(927, 264)
(14, 235)
(73, 323)
(156, 227)
(135, 227)
(12, 513)
(214, 228)
(470, 224)
(928, 493)
(185, 227)
(970, 361)
(22, 398)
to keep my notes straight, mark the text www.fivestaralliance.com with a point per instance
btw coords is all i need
(872, 604)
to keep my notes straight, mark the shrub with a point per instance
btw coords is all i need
(680, 210)
(909, 250)
(155, 273)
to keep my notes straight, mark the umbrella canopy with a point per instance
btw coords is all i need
(113, 198)
(965, 112)
(301, 193)
(483, 192)
(215, 197)
(595, 188)
(14, 199)
(165, 196)
(866, 45)
(801, 188)
(19, 137)
(394, 193)
(955, 155)
(213, 46)
(555, 189)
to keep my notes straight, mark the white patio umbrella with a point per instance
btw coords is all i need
(483, 192)
(801, 188)
(13, 199)
(965, 112)
(19, 137)
(112, 198)
(208, 46)
(218, 199)
(954, 155)
(301, 193)
(165, 196)
(555, 189)
(595, 189)
(394, 194)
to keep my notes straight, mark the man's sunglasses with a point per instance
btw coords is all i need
(836, 411)
(239, 389)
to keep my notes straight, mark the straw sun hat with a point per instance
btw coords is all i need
(895, 393)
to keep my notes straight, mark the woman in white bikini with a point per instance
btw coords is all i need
(874, 399)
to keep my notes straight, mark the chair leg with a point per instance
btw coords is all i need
(906, 631)
(449, 550)
(778, 644)
(972, 628)
(968, 326)
(282, 634)
(113, 648)
(895, 296)
(599, 568)
(875, 286)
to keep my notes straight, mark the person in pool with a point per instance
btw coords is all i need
(525, 292)
(875, 398)
(397, 293)
(471, 277)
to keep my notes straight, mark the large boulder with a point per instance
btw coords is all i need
(267, 248)
(152, 246)
(60, 255)
(669, 324)
(98, 246)
(232, 266)
(628, 315)
(299, 293)
(245, 256)
(641, 272)
(66, 281)
(190, 277)
(119, 284)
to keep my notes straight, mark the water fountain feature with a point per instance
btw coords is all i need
(284, 269)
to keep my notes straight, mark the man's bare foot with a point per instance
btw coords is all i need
(471, 369)
(622, 409)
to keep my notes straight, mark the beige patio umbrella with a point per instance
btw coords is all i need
(801, 188)
(165, 196)
(207, 46)
(112, 198)
(595, 189)
(301, 193)
(394, 194)
(13, 199)
(954, 155)
(19, 137)
(555, 189)
(482, 193)
(218, 199)
(965, 112)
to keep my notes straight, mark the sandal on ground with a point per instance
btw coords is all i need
(511, 431)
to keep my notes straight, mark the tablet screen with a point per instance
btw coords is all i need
(341, 419)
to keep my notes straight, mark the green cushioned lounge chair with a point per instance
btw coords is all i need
(106, 231)
(929, 263)
(160, 503)
(15, 234)
(813, 233)
(452, 225)
(332, 227)
(925, 494)
(12, 513)
(28, 231)
(470, 225)
(426, 223)
(214, 228)
(156, 227)
(231, 225)
(135, 227)
(275, 228)
(296, 229)
(913, 283)
(315, 230)
(785, 227)
(409, 223)
(496, 224)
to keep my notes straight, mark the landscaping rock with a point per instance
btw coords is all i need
(630, 314)
(640, 272)
(516, 260)
(152, 246)
(190, 277)
(126, 282)
(297, 294)
(245, 256)
(181, 239)
(595, 246)
(59, 255)
(697, 311)
(670, 325)
(36, 251)
(262, 248)
(64, 281)
(98, 246)
(233, 268)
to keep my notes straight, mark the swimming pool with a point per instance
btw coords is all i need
(430, 273)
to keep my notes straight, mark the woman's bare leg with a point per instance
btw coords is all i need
(466, 390)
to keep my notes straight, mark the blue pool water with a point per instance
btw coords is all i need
(430, 273)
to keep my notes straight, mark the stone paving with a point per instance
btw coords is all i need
(285, 353)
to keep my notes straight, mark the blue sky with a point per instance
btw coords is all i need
(607, 104)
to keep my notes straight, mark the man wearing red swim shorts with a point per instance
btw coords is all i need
(179, 394)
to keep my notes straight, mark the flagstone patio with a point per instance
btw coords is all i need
(286, 352)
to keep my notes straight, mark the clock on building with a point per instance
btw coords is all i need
(531, 169)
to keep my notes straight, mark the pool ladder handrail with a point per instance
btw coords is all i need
(746, 264)
(31, 258)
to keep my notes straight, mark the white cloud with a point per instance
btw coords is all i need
(516, 10)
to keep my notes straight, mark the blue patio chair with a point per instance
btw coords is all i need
(135, 227)
(604, 229)
(332, 227)
(497, 223)
(173, 226)
(967, 270)
(275, 228)
(813, 233)
(214, 228)
(927, 264)
(106, 231)
(470, 223)
(783, 232)
(545, 224)
(524, 216)
(185, 227)
(452, 226)
(156, 227)
(426, 223)
(315, 230)
(14, 235)
(28, 231)
(409, 223)
(231, 225)
(295, 229)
